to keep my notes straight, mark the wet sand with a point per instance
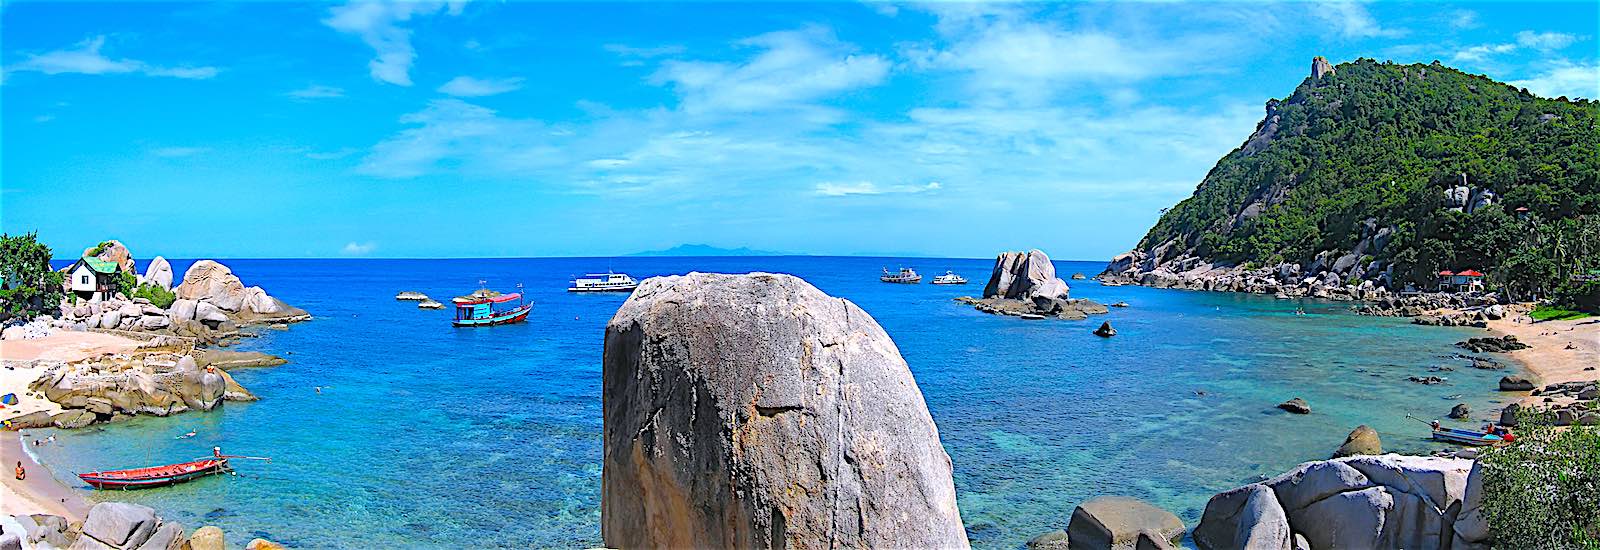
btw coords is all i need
(40, 493)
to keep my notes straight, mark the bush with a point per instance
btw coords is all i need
(1540, 492)
(161, 297)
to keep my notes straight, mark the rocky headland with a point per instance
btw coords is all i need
(1024, 284)
(112, 526)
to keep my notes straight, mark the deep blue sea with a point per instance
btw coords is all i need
(426, 435)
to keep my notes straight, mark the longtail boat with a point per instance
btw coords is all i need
(478, 309)
(1470, 437)
(161, 476)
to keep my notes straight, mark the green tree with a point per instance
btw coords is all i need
(1540, 491)
(30, 288)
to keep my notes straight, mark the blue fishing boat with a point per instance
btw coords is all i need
(1492, 436)
(479, 309)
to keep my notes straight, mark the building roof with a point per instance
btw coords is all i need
(1470, 273)
(99, 265)
(1447, 273)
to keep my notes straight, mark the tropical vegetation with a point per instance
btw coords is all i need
(28, 286)
(1540, 492)
(1378, 145)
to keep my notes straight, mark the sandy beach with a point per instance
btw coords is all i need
(40, 493)
(1549, 358)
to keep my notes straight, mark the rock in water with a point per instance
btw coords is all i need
(1515, 383)
(754, 411)
(1296, 405)
(159, 273)
(1119, 522)
(1362, 441)
(207, 538)
(1461, 410)
(209, 281)
(1105, 330)
(1024, 276)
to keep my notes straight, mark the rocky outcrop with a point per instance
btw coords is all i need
(1507, 343)
(112, 251)
(1105, 330)
(755, 411)
(112, 387)
(1388, 501)
(1296, 406)
(1362, 441)
(1025, 284)
(1123, 523)
(110, 525)
(1320, 67)
(158, 273)
(212, 283)
(1516, 383)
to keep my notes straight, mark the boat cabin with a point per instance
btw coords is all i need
(478, 309)
(1463, 281)
(92, 279)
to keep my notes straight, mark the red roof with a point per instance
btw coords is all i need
(1522, 209)
(1470, 273)
(1447, 273)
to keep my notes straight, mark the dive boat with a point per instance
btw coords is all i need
(161, 476)
(604, 282)
(949, 278)
(905, 276)
(478, 309)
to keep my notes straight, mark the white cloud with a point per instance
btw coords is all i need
(1481, 52)
(793, 67)
(1350, 19)
(379, 25)
(1464, 19)
(466, 86)
(175, 152)
(869, 188)
(358, 249)
(1545, 40)
(86, 58)
(317, 91)
(1565, 79)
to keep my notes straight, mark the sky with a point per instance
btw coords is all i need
(484, 129)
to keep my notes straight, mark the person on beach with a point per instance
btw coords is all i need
(21, 473)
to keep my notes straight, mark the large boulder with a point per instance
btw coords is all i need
(168, 536)
(1119, 522)
(209, 281)
(208, 538)
(112, 251)
(205, 312)
(1362, 441)
(1516, 383)
(1247, 517)
(120, 524)
(1387, 501)
(755, 411)
(1296, 406)
(159, 273)
(182, 310)
(1024, 276)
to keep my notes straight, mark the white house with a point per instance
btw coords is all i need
(92, 279)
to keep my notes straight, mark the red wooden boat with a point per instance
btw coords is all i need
(161, 476)
(155, 476)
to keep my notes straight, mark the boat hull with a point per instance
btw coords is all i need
(517, 315)
(1463, 437)
(897, 281)
(618, 289)
(155, 476)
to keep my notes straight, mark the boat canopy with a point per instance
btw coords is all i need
(464, 301)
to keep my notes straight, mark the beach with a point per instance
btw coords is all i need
(1548, 358)
(40, 493)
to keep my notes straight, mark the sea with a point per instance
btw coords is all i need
(390, 428)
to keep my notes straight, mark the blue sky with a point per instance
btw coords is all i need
(544, 129)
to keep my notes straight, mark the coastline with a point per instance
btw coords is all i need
(1547, 359)
(41, 493)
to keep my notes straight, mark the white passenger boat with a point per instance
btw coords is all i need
(905, 276)
(949, 278)
(604, 282)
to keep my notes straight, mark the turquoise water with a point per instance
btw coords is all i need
(427, 436)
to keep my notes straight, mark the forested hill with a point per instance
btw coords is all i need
(1365, 161)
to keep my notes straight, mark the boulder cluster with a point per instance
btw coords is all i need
(1386, 501)
(113, 526)
(1564, 404)
(153, 380)
(1503, 344)
(1025, 284)
(755, 411)
(211, 303)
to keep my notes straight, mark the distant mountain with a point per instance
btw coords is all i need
(707, 250)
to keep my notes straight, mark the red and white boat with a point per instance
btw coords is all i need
(161, 476)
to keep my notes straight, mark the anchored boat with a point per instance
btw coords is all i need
(161, 476)
(604, 282)
(478, 309)
(905, 276)
(1491, 435)
(949, 278)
